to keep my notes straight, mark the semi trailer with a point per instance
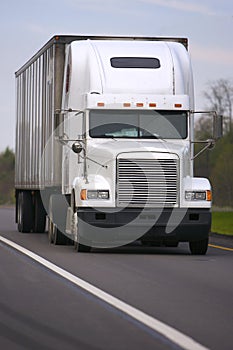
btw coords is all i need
(105, 144)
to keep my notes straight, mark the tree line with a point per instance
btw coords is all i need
(7, 174)
(217, 164)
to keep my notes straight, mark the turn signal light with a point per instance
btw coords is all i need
(83, 195)
(209, 196)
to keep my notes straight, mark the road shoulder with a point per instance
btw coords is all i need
(221, 240)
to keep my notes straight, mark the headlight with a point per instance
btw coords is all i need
(94, 194)
(198, 195)
(103, 194)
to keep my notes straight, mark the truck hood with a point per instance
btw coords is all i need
(111, 149)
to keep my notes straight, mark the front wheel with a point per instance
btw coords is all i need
(199, 247)
(57, 219)
(58, 237)
(82, 248)
(79, 247)
(50, 230)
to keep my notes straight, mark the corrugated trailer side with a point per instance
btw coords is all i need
(39, 86)
(38, 95)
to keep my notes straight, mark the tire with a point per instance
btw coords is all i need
(199, 247)
(57, 219)
(25, 212)
(58, 237)
(39, 214)
(50, 231)
(171, 244)
(82, 248)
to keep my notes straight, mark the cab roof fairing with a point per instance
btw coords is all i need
(93, 74)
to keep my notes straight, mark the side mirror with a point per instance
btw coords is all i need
(217, 131)
(218, 126)
(77, 147)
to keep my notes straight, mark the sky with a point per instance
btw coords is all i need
(26, 25)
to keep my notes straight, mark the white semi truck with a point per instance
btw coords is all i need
(105, 144)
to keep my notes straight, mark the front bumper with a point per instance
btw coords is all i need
(107, 227)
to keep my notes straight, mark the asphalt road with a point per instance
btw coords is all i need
(40, 310)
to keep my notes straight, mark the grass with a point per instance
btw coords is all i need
(222, 222)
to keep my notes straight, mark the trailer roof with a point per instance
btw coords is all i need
(67, 39)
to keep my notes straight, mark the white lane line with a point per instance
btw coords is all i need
(168, 332)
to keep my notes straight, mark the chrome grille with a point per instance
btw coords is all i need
(147, 182)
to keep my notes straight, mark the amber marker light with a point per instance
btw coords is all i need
(209, 195)
(100, 104)
(139, 104)
(152, 105)
(127, 104)
(178, 105)
(83, 195)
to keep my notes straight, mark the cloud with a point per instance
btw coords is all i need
(204, 7)
(183, 5)
(95, 5)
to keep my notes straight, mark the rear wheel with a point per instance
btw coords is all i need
(25, 212)
(39, 214)
(199, 247)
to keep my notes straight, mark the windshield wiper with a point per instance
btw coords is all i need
(110, 137)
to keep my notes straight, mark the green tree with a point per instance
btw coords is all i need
(217, 164)
(221, 177)
(203, 131)
(7, 168)
(219, 97)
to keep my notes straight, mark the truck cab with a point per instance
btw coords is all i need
(132, 178)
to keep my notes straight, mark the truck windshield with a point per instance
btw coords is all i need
(138, 124)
